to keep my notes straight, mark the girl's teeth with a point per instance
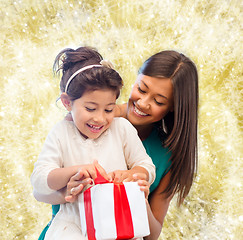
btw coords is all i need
(96, 128)
(139, 112)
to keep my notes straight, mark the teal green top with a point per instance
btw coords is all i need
(160, 157)
(55, 209)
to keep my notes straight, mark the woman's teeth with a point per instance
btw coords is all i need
(139, 112)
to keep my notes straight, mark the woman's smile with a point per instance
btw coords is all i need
(138, 112)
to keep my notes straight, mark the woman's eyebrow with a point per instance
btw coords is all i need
(160, 95)
(144, 84)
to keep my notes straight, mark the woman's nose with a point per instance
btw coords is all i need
(143, 103)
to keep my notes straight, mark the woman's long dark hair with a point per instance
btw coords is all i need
(181, 137)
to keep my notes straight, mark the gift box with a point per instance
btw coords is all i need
(113, 211)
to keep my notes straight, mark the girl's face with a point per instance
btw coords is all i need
(93, 112)
(150, 100)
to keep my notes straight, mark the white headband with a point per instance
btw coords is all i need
(77, 72)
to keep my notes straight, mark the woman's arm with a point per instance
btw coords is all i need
(157, 208)
(57, 197)
(121, 110)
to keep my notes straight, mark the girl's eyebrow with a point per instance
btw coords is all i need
(98, 104)
(160, 95)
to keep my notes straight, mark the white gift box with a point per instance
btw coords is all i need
(113, 211)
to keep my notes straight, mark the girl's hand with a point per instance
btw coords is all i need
(82, 178)
(128, 175)
(121, 175)
(76, 185)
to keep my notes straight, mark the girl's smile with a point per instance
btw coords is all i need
(93, 112)
(94, 128)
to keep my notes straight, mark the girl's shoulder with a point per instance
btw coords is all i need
(122, 126)
(62, 127)
(122, 122)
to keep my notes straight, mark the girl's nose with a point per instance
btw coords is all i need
(99, 118)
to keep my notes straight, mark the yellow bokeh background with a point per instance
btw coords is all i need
(126, 32)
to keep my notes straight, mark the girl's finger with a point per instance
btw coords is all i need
(88, 172)
(77, 176)
(100, 169)
(110, 176)
(117, 177)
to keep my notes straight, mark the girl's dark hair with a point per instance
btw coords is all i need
(181, 137)
(69, 61)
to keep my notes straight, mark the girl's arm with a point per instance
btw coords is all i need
(59, 177)
(157, 208)
(77, 182)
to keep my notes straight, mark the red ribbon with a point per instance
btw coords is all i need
(89, 217)
(123, 216)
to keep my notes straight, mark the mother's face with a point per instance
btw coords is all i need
(150, 100)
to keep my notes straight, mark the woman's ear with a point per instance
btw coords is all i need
(66, 101)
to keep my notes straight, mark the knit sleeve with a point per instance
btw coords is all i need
(135, 153)
(50, 158)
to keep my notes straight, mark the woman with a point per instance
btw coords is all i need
(163, 107)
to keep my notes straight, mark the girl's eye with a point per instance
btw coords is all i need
(158, 103)
(90, 109)
(109, 110)
(140, 90)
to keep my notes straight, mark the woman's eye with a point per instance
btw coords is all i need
(140, 90)
(158, 103)
(90, 109)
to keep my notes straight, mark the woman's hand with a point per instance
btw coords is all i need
(140, 178)
(121, 110)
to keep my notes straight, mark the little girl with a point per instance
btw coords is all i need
(89, 91)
